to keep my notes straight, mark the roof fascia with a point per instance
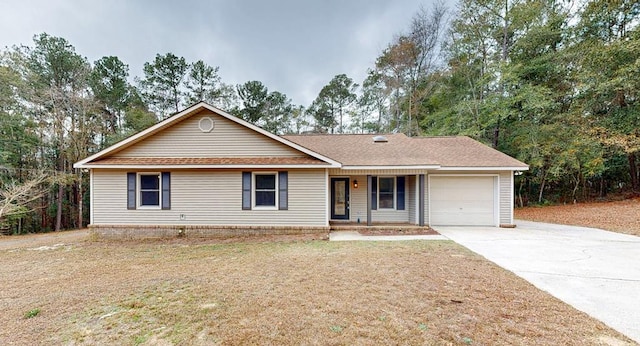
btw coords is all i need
(94, 166)
(347, 168)
(498, 168)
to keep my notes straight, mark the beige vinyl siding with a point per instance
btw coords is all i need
(358, 204)
(426, 199)
(210, 197)
(412, 201)
(389, 215)
(506, 182)
(228, 139)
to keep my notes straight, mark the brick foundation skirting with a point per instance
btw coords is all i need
(193, 231)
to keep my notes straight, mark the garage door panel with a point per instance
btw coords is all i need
(462, 200)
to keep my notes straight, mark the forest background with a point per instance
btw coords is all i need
(553, 83)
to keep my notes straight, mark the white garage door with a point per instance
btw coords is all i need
(463, 201)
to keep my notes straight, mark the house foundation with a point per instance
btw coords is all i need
(125, 232)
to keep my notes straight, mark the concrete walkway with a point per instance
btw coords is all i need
(355, 236)
(596, 271)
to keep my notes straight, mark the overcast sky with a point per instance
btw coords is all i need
(292, 46)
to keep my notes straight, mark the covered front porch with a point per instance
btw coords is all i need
(377, 199)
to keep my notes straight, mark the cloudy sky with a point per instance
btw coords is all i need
(292, 46)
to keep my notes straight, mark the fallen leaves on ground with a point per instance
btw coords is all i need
(618, 216)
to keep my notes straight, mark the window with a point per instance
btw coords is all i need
(265, 190)
(386, 186)
(149, 190)
(388, 192)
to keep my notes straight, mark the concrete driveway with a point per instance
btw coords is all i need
(595, 271)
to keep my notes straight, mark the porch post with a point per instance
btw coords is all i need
(368, 200)
(421, 200)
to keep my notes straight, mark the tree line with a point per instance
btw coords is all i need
(553, 83)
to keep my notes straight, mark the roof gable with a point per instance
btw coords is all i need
(185, 135)
(226, 139)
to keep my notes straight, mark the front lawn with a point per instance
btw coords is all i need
(317, 292)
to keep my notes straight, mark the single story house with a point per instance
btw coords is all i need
(204, 171)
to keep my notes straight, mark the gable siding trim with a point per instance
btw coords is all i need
(190, 112)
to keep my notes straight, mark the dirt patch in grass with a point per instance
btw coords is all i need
(303, 292)
(618, 216)
(46, 239)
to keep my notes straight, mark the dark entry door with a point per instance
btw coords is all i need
(340, 198)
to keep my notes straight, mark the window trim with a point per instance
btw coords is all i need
(254, 189)
(139, 191)
(393, 193)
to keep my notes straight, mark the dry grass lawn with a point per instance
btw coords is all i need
(618, 216)
(313, 292)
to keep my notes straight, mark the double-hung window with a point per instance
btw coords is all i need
(149, 189)
(265, 189)
(386, 192)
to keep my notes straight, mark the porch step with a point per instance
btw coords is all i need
(382, 229)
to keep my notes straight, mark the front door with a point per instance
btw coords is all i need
(340, 198)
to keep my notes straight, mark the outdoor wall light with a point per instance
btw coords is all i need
(355, 184)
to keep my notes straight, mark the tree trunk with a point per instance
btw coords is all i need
(410, 105)
(633, 171)
(80, 200)
(59, 207)
(496, 134)
(542, 184)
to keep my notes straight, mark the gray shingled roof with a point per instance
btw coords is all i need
(400, 150)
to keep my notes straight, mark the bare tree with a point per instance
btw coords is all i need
(427, 27)
(409, 63)
(17, 198)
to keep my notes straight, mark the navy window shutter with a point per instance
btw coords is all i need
(374, 193)
(400, 194)
(131, 190)
(246, 190)
(283, 190)
(166, 190)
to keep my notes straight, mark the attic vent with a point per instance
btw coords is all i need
(380, 139)
(206, 124)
